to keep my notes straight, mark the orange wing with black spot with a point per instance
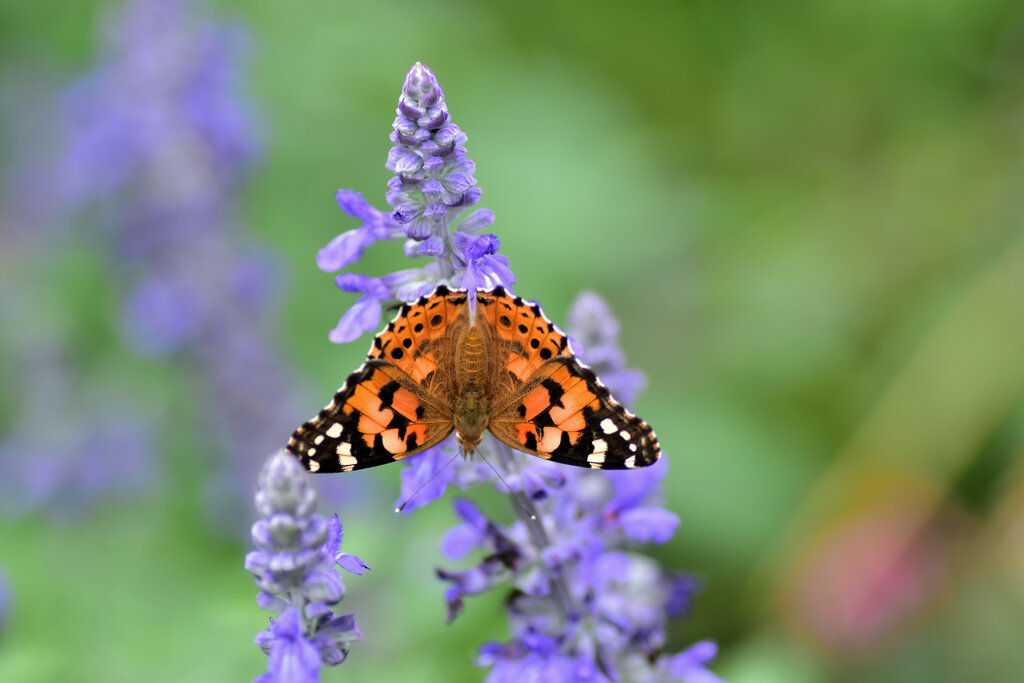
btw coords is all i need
(521, 336)
(398, 402)
(555, 407)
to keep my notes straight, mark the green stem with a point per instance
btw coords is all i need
(527, 512)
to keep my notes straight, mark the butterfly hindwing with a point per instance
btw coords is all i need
(563, 413)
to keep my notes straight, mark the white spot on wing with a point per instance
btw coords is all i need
(599, 446)
(313, 465)
(346, 461)
(344, 449)
(319, 439)
(311, 452)
(335, 430)
(596, 458)
(631, 461)
(624, 434)
(607, 426)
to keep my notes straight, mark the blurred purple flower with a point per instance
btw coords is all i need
(294, 564)
(72, 442)
(161, 103)
(157, 141)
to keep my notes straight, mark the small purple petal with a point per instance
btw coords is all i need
(293, 659)
(480, 246)
(353, 282)
(270, 602)
(458, 182)
(649, 524)
(481, 219)
(459, 540)
(343, 250)
(435, 209)
(419, 227)
(404, 213)
(354, 205)
(470, 513)
(689, 665)
(323, 586)
(416, 491)
(408, 163)
(334, 536)
(351, 563)
(494, 270)
(432, 246)
(362, 317)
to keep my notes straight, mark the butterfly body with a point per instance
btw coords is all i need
(498, 365)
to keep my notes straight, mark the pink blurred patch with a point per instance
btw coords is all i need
(864, 580)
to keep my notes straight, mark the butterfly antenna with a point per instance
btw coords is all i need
(498, 474)
(421, 486)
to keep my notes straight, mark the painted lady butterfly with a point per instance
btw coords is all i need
(506, 369)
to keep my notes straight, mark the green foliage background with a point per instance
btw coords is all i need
(809, 218)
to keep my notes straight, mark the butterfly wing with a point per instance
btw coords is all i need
(550, 405)
(398, 403)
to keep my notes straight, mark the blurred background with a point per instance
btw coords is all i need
(809, 218)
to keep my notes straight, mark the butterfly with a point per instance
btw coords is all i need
(501, 366)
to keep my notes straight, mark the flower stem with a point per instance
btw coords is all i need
(527, 512)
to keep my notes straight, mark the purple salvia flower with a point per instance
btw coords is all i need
(430, 194)
(584, 604)
(294, 564)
